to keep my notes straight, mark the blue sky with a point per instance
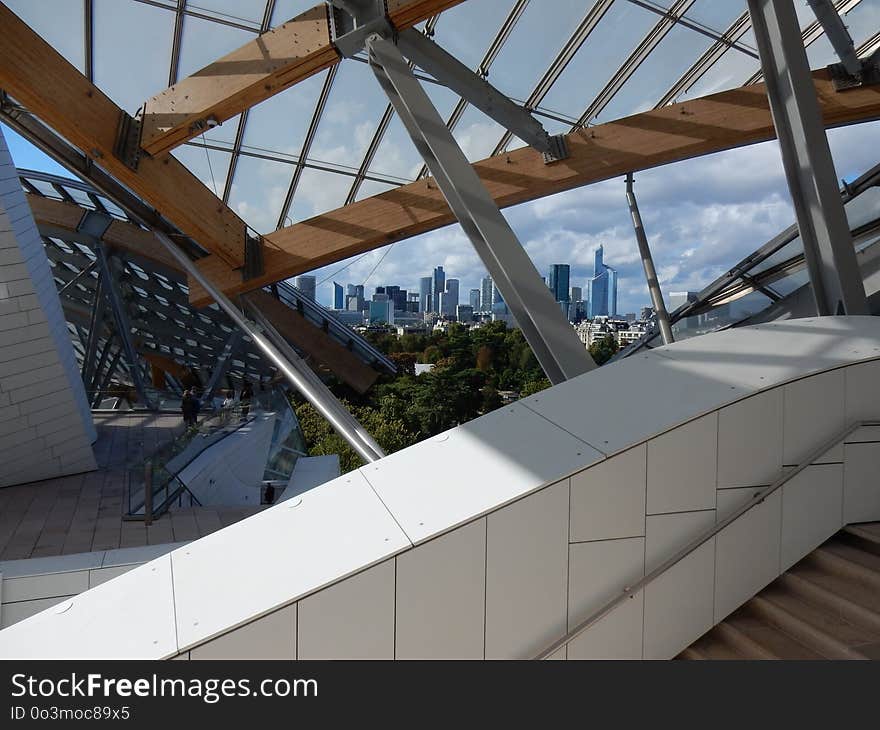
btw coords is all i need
(701, 216)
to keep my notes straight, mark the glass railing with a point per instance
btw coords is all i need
(154, 484)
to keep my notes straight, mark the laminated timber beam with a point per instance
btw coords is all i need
(308, 338)
(673, 133)
(38, 77)
(270, 63)
(50, 214)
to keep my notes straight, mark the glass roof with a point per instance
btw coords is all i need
(252, 161)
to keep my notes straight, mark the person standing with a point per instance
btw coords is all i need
(247, 394)
(186, 406)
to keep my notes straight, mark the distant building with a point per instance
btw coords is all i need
(338, 296)
(438, 287)
(464, 313)
(678, 298)
(487, 287)
(576, 294)
(381, 310)
(559, 279)
(630, 316)
(474, 299)
(603, 288)
(452, 300)
(306, 286)
(425, 304)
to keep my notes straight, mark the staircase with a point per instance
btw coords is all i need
(825, 607)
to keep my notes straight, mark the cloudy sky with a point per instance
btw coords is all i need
(701, 216)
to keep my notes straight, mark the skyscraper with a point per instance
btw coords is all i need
(559, 277)
(439, 286)
(338, 296)
(306, 285)
(452, 298)
(576, 294)
(486, 287)
(474, 300)
(425, 304)
(603, 288)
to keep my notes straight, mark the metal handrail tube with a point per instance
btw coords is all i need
(703, 538)
(342, 413)
(318, 399)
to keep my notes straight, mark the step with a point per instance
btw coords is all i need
(825, 634)
(852, 599)
(710, 646)
(865, 535)
(772, 641)
(737, 633)
(847, 562)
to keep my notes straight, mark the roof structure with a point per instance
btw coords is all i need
(324, 135)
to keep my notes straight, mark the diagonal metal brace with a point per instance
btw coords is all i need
(474, 89)
(542, 322)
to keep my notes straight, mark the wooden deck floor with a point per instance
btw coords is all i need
(83, 512)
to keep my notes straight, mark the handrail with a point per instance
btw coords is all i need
(678, 556)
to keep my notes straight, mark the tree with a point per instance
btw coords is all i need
(603, 350)
(534, 386)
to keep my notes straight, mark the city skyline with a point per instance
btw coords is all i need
(438, 276)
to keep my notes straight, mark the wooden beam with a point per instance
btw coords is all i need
(305, 336)
(49, 213)
(677, 132)
(270, 63)
(36, 75)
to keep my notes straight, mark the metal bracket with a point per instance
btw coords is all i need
(558, 149)
(254, 264)
(843, 79)
(127, 146)
(353, 21)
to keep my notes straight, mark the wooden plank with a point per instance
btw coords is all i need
(121, 234)
(51, 88)
(313, 341)
(677, 132)
(270, 63)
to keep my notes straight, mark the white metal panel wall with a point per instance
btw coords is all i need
(548, 562)
(353, 619)
(46, 427)
(527, 574)
(441, 596)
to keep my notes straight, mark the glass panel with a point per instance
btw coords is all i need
(318, 192)
(522, 61)
(720, 316)
(714, 15)
(467, 29)
(258, 192)
(287, 9)
(196, 159)
(863, 209)
(397, 157)
(730, 71)
(59, 22)
(477, 134)
(353, 110)
(203, 42)
(669, 60)
(248, 12)
(280, 123)
(132, 51)
(608, 46)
